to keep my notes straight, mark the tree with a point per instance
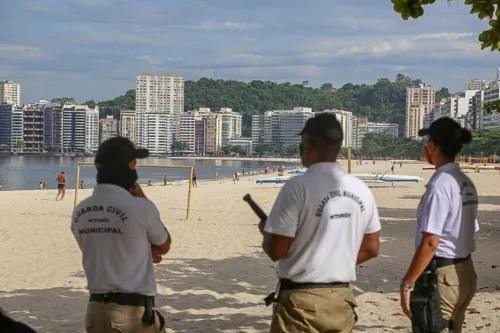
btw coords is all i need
(483, 8)
(180, 146)
(4, 147)
(20, 145)
(326, 86)
(292, 149)
(305, 83)
(63, 100)
(91, 104)
(44, 147)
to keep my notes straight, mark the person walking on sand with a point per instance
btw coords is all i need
(195, 176)
(61, 185)
(321, 226)
(441, 275)
(165, 180)
(121, 235)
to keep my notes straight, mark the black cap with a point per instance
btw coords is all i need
(443, 131)
(324, 126)
(118, 152)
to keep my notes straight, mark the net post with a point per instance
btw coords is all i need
(188, 210)
(77, 181)
(349, 159)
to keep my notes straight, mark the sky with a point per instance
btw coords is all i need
(94, 49)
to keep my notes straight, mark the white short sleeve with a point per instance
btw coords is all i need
(436, 207)
(373, 223)
(284, 217)
(157, 233)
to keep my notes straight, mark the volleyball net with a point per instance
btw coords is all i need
(80, 165)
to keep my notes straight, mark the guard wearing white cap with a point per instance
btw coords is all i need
(441, 280)
(120, 234)
(322, 224)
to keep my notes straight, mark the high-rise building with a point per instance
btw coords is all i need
(127, 125)
(108, 128)
(345, 120)
(156, 133)
(159, 94)
(92, 130)
(74, 117)
(11, 126)
(33, 127)
(10, 93)
(419, 102)
(213, 133)
(187, 132)
(364, 127)
(231, 125)
(475, 113)
(53, 126)
(280, 127)
(477, 84)
(491, 94)
(200, 127)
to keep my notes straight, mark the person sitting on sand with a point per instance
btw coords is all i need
(150, 183)
(44, 184)
(82, 185)
(1, 187)
(40, 186)
(61, 185)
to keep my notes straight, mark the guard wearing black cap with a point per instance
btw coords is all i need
(441, 280)
(321, 226)
(121, 235)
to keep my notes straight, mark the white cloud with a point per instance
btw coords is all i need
(228, 25)
(21, 52)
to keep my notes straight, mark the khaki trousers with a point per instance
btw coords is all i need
(114, 318)
(325, 310)
(457, 286)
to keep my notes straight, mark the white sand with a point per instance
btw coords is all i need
(215, 276)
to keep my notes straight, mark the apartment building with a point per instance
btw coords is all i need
(200, 126)
(127, 125)
(188, 129)
(345, 120)
(477, 84)
(53, 126)
(491, 94)
(231, 125)
(33, 127)
(10, 93)
(108, 128)
(159, 94)
(280, 127)
(74, 117)
(364, 127)
(213, 133)
(419, 103)
(92, 130)
(156, 133)
(11, 126)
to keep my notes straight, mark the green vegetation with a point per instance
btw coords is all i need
(484, 144)
(483, 8)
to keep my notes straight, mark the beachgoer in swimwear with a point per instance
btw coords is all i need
(61, 185)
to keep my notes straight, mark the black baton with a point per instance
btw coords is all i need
(257, 210)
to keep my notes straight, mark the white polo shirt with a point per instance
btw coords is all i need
(448, 209)
(327, 212)
(114, 231)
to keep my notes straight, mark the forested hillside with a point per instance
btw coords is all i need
(383, 101)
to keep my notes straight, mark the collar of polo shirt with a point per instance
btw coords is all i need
(109, 189)
(324, 166)
(443, 168)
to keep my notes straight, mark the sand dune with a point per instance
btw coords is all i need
(215, 277)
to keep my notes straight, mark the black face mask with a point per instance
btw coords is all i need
(123, 177)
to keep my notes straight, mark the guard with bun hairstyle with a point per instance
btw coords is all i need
(441, 280)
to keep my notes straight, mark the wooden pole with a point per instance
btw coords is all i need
(77, 181)
(349, 159)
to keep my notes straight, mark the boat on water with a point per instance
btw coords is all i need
(385, 178)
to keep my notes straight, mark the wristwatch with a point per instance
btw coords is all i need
(408, 287)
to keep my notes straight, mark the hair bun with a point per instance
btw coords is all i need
(465, 136)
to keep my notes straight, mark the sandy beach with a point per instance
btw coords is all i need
(215, 277)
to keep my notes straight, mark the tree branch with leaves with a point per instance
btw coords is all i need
(489, 9)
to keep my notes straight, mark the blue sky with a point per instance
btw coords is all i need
(94, 49)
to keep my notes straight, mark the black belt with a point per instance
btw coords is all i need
(148, 302)
(287, 284)
(443, 262)
(123, 299)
